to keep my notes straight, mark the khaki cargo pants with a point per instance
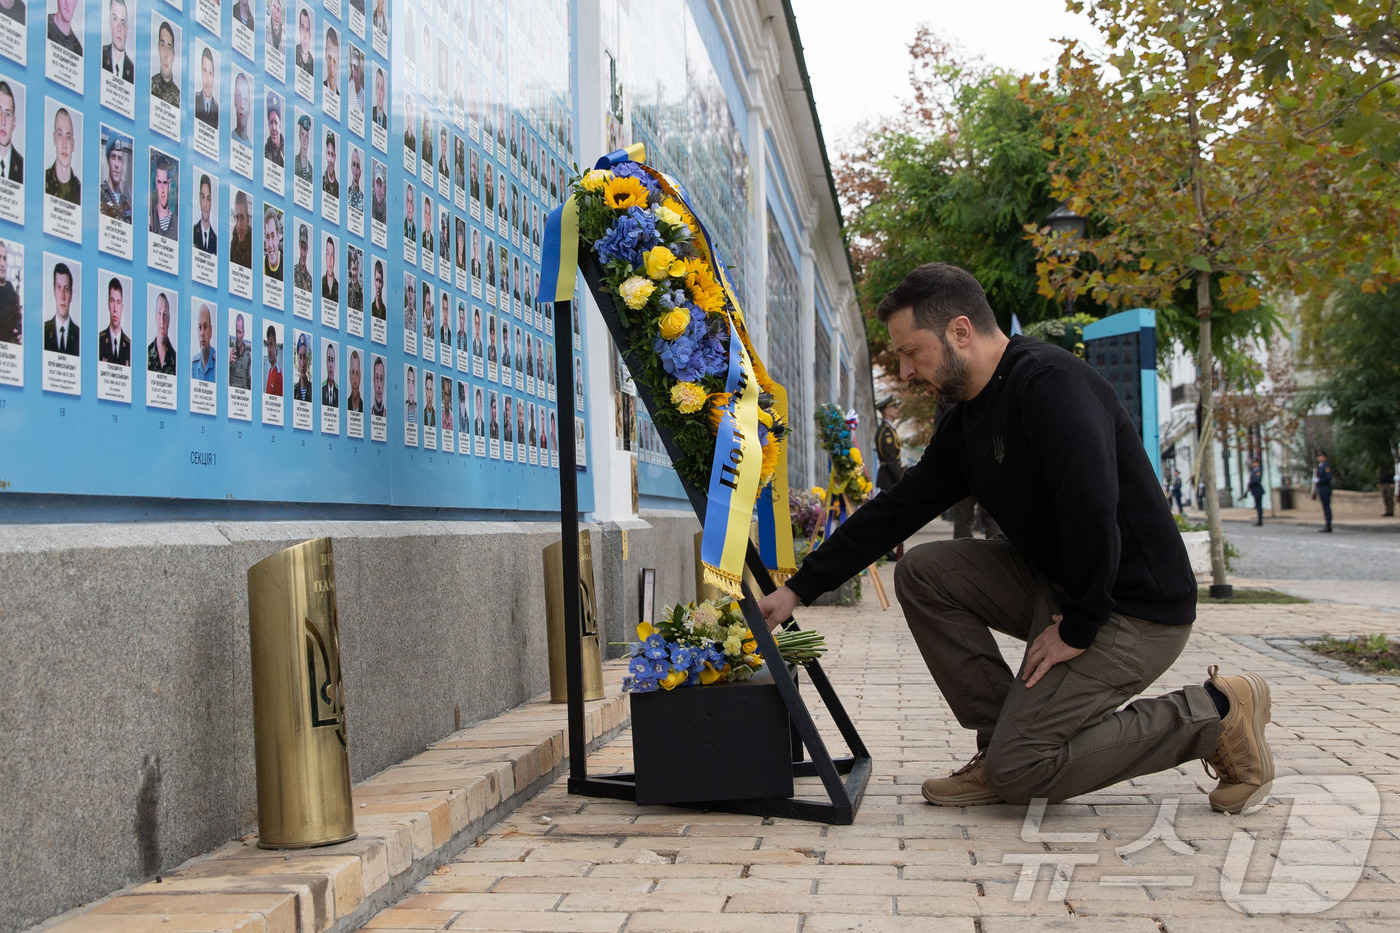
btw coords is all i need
(1066, 735)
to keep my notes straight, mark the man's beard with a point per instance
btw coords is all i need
(952, 376)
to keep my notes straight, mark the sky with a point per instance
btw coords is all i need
(859, 64)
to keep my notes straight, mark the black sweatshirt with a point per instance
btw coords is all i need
(1050, 452)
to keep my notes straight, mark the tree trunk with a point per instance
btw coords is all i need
(1207, 439)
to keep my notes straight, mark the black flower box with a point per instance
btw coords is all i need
(722, 742)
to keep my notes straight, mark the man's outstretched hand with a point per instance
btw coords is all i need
(1045, 652)
(777, 606)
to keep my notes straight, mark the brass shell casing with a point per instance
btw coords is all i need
(303, 769)
(554, 610)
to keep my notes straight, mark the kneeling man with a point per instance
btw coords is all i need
(1092, 573)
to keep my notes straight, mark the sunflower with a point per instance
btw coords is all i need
(704, 290)
(622, 193)
(717, 401)
(769, 464)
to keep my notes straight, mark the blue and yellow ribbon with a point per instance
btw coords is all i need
(735, 475)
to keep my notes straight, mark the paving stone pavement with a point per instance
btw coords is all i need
(1148, 855)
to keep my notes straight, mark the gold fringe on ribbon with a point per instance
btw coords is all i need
(782, 576)
(725, 582)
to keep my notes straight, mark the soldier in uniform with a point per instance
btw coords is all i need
(163, 85)
(240, 361)
(301, 274)
(303, 166)
(301, 391)
(887, 447)
(1256, 489)
(1322, 489)
(114, 201)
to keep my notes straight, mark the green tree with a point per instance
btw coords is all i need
(1357, 351)
(1186, 156)
(1350, 50)
(954, 178)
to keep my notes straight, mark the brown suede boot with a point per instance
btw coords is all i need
(965, 787)
(1243, 761)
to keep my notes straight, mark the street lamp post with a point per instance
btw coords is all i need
(1063, 220)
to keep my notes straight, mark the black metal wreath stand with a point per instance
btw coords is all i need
(843, 796)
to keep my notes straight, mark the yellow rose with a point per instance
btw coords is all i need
(673, 679)
(674, 322)
(855, 455)
(657, 261)
(668, 217)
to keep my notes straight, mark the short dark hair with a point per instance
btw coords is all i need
(937, 293)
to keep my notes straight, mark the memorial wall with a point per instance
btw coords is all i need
(283, 252)
(269, 271)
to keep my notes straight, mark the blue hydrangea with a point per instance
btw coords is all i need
(698, 352)
(674, 298)
(631, 235)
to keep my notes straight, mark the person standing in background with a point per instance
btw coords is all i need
(887, 449)
(1256, 489)
(1322, 489)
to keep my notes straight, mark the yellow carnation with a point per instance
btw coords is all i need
(818, 491)
(688, 398)
(674, 322)
(622, 193)
(658, 261)
(636, 290)
(595, 179)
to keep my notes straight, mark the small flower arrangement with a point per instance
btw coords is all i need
(837, 434)
(806, 508)
(675, 308)
(698, 644)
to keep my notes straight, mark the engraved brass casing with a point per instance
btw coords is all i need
(303, 769)
(554, 610)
